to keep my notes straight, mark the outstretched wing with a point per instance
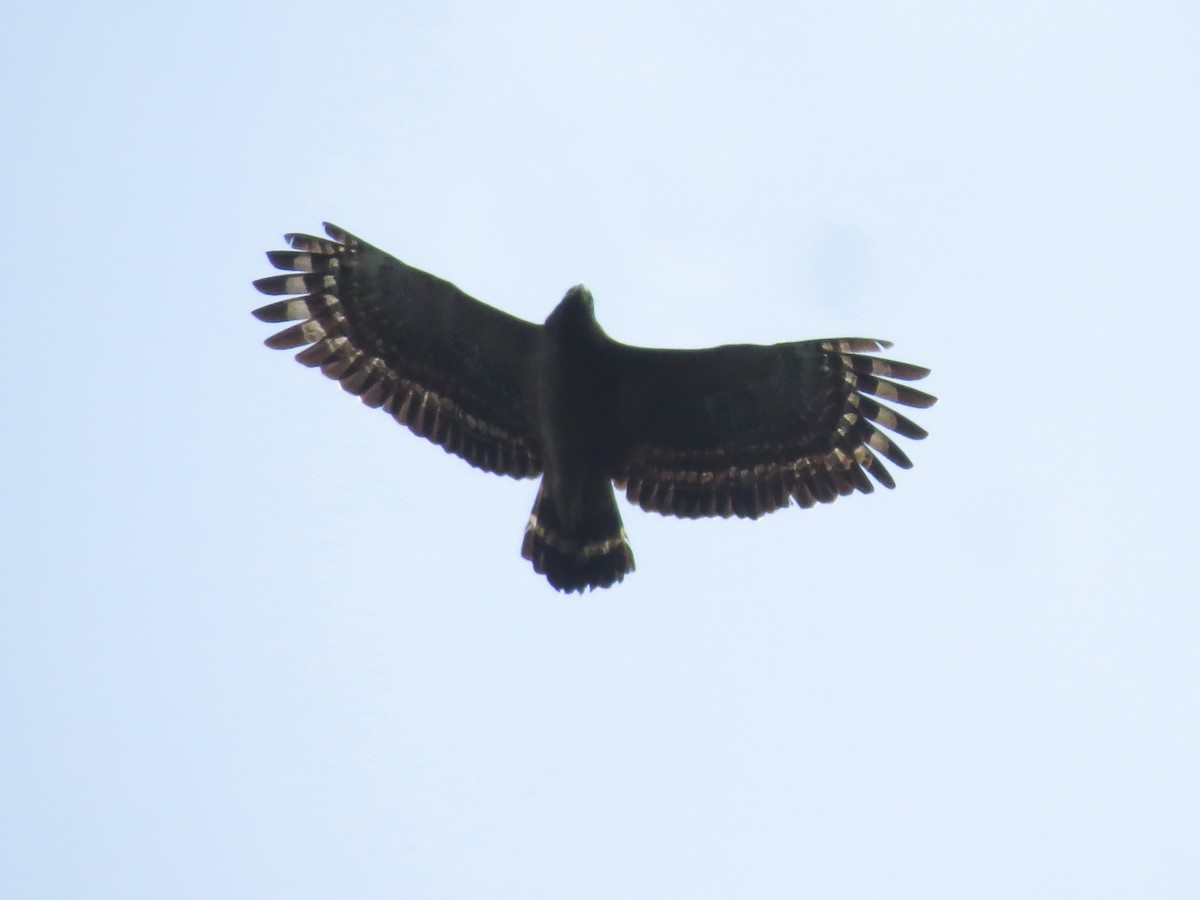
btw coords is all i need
(452, 369)
(743, 430)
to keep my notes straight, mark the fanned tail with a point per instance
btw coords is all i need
(593, 552)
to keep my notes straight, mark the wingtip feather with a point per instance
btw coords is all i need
(282, 311)
(338, 234)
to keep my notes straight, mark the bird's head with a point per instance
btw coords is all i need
(574, 313)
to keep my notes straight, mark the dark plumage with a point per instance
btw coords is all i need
(738, 430)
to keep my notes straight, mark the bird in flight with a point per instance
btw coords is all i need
(737, 430)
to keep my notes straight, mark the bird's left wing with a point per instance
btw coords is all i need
(742, 430)
(452, 369)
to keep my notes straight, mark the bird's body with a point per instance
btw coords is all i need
(575, 535)
(737, 430)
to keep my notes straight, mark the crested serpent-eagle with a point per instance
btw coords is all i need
(738, 430)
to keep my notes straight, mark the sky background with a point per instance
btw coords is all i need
(258, 641)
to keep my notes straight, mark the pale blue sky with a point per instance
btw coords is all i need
(258, 641)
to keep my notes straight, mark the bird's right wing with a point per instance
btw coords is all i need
(745, 429)
(452, 369)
